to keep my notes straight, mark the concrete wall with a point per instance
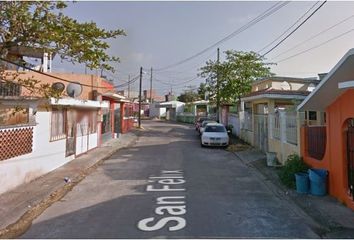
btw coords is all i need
(234, 120)
(156, 112)
(45, 157)
(94, 82)
(335, 157)
(282, 149)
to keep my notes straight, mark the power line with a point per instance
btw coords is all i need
(274, 8)
(190, 68)
(293, 31)
(314, 36)
(177, 84)
(288, 29)
(49, 75)
(317, 46)
(127, 83)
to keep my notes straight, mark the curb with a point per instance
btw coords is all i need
(16, 229)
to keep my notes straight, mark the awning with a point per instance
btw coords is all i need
(328, 90)
(78, 103)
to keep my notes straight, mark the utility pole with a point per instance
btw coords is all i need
(151, 86)
(129, 86)
(217, 86)
(140, 83)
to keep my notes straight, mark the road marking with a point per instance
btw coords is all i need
(172, 208)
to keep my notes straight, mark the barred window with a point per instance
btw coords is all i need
(9, 89)
(57, 125)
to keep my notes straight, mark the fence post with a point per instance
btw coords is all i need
(270, 125)
(282, 130)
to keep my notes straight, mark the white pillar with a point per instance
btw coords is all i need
(45, 62)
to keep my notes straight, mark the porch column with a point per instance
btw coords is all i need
(282, 122)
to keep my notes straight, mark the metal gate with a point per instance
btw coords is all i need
(350, 157)
(117, 121)
(261, 132)
(70, 133)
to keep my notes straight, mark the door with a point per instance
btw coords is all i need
(70, 132)
(261, 132)
(117, 120)
(350, 157)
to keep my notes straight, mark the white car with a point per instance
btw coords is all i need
(215, 134)
(204, 123)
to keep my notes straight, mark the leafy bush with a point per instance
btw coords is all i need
(293, 164)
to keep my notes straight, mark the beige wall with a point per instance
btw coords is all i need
(279, 85)
(283, 150)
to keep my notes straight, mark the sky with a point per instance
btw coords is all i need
(160, 34)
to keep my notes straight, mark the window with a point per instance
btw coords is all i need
(10, 116)
(9, 89)
(312, 115)
(57, 131)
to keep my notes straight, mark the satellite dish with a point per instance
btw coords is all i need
(74, 89)
(58, 86)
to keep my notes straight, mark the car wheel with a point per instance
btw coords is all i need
(201, 144)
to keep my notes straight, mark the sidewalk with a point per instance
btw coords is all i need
(21, 205)
(333, 218)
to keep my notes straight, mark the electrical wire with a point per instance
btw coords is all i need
(274, 8)
(314, 36)
(317, 46)
(128, 83)
(289, 28)
(293, 31)
(49, 75)
(176, 84)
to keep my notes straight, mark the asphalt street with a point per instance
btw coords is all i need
(167, 186)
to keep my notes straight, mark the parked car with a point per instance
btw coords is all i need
(199, 121)
(204, 123)
(215, 134)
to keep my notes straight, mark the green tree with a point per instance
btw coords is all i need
(188, 96)
(42, 24)
(202, 89)
(235, 74)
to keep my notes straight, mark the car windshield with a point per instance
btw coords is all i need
(215, 129)
(206, 122)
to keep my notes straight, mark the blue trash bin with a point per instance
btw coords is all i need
(302, 182)
(318, 181)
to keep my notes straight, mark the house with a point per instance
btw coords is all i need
(38, 135)
(330, 145)
(268, 117)
(173, 108)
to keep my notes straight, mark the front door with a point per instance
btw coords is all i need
(70, 132)
(350, 157)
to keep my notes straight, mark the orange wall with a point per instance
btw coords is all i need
(335, 159)
(94, 82)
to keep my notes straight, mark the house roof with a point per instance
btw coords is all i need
(200, 102)
(78, 103)
(170, 104)
(276, 94)
(287, 79)
(115, 96)
(328, 89)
